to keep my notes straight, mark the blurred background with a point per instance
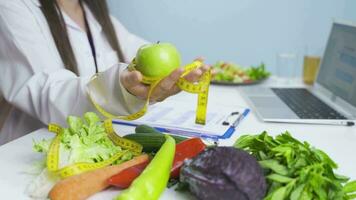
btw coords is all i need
(246, 32)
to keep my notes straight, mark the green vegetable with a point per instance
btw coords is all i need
(153, 180)
(146, 129)
(258, 73)
(85, 140)
(151, 142)
(295, 170)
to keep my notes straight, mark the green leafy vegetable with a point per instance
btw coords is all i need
(41, 146)
(295, 170)
(257, 73)
(85, 140)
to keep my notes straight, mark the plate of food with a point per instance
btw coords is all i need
(232, 74)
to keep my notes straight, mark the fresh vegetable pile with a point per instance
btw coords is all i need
(257, 167)
(185, 149)
(295, 170)
(84, 141)
(148, 180)
(209, 173)
(229, 72)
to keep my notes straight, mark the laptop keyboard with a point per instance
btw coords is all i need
(305, 105)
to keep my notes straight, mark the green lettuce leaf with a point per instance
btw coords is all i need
(85, 140)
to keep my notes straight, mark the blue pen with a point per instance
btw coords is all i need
(240, 118)
(232, 128)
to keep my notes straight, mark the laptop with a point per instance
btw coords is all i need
(332, 98)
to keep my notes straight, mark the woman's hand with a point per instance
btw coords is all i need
(131, 80)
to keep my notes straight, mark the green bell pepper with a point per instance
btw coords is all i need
(153, 180)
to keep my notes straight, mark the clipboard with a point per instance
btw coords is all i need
(178, 119)
(175, 131)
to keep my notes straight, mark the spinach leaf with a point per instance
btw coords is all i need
(295, 170)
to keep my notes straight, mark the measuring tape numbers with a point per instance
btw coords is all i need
(201, 88)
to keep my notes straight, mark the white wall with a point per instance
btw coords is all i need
(243, 31)
(350, 9)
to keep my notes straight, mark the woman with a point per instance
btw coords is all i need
(50, 50)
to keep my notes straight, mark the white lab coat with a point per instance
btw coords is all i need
(33, 78)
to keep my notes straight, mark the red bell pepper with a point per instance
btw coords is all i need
(184, 150)
(124, 178)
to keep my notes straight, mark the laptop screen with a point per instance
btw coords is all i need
(338, 70)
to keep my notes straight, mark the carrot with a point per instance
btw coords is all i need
(83, 185)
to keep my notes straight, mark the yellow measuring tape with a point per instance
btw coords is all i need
(77, 168)
(201, 88)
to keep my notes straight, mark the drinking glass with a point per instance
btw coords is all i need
(286, 66)
(310, 68)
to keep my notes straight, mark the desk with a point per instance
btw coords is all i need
(338, 141)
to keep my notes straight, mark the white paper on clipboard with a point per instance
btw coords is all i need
(180, 116)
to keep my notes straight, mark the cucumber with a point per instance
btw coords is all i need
(146, 129)
(151, 142)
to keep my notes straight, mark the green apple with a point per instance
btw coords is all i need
(157, 60)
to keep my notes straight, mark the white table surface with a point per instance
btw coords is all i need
(339, 142)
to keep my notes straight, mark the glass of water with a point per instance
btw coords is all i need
(286, 66)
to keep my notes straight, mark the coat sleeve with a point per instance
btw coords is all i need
(129, 42)
(33, 78)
